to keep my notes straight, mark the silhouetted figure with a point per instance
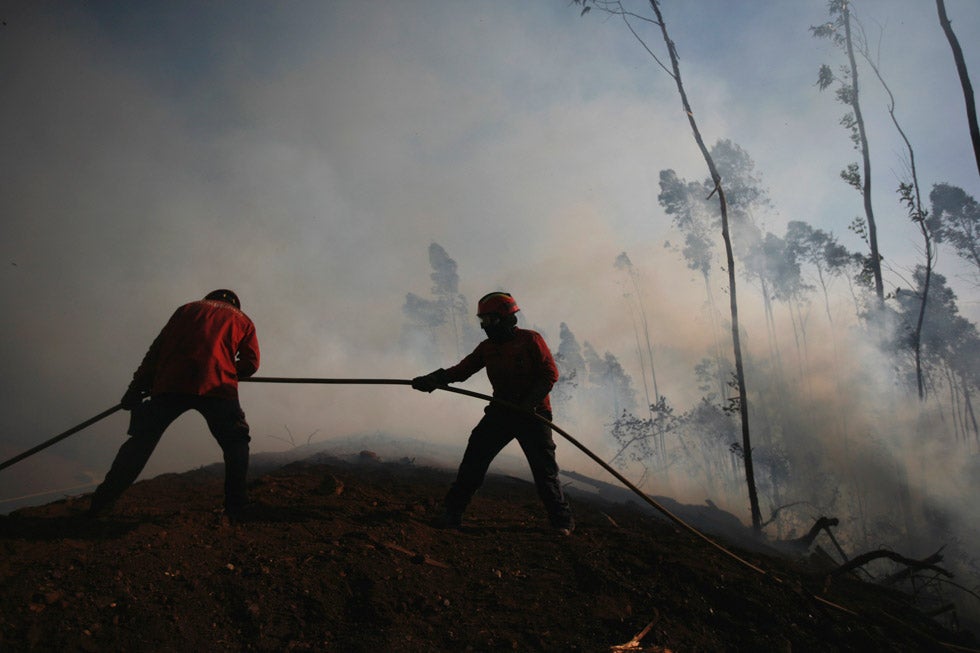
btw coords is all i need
(194, 364)
(522, 371)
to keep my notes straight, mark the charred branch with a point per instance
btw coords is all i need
(824, 523)
(929, 563)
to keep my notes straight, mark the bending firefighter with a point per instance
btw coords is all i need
(522, 371)
(194, 364)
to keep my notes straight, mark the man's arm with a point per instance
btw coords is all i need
(142, 381)
(247, 361)
(459, 372)
(546, 377)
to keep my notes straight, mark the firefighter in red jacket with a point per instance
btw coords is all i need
(522, 371)
(194, 364)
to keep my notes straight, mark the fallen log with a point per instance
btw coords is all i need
(863, 559)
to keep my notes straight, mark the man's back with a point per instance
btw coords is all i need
(195, 352)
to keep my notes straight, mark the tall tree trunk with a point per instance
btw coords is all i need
(719, 359)
(913, 198)
(968, 405)
(971, 107)
(866, 158)
(643, 375)
(646, 332)
(736, 343)
(954, 402)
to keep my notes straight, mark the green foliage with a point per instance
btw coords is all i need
(859, 226)
(948, 340)
(733, 405)
(699, 217)
(955, 221)
(817, 247)
(598, 383)
(849, 122)
(852, 175)
(423, 312)
(623, 262)
(907, 196)
(743, 187)
(772, 259)
(444, 317)
(445, 280)
(825, 77)
(689, 212)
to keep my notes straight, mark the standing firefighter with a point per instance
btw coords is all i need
(194, 364)
(521, 371)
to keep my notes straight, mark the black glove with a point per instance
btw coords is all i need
(132, 399)
(429, 382)
(424, 383)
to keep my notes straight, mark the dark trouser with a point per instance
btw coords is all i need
(497, 428)
(226, 421)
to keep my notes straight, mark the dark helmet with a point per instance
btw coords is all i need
(497, 303)
(225, 295)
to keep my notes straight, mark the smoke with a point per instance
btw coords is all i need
(307, 156)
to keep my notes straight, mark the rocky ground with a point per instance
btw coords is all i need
(339, 555)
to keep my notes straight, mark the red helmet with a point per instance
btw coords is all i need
(497, 303)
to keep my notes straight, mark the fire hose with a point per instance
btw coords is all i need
(61, 436)
(501, 402)
(469, 393)
(554, 427)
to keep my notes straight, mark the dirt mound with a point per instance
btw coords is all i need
(340, 556)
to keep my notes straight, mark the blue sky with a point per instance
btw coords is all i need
(307, 153)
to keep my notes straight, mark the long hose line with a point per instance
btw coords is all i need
(323, 381)
(622, 479)
(61, 436)
(501, 402)
(510, 405)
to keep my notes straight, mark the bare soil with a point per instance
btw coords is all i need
(341, 555)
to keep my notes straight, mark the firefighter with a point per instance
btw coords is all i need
(522, 371)
(194, 364)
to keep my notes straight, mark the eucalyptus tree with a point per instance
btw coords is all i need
(571, 366)
(614, 7)
(428, 318)
(911, 197)
(624, 263)
(634, 300)
(955, 221)
(420, 333)
(685, 202)
(823, 252)
(610, 386)
(950, 344)
(838, 30)
(971, 107)
(775, 261)
(764, 256)
(445, 286)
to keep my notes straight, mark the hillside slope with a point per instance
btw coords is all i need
(339, 555)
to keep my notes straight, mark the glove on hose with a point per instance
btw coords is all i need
(430, 381)
(133, 398)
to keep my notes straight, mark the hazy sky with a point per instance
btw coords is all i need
(306, 154)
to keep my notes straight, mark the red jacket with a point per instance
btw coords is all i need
(195, 352)
(520, 370)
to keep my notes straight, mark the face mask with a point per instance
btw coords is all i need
(496, 329)
(489, 321)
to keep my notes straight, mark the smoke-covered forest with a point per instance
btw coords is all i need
(748, 232)
(859, 376)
